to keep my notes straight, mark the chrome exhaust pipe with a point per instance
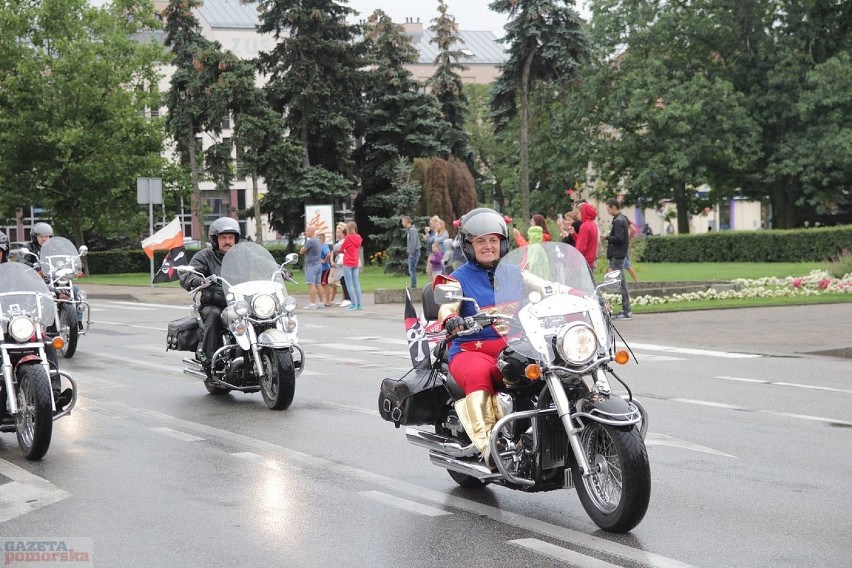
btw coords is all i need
(477, 470)
(438, 443)
(196, 373)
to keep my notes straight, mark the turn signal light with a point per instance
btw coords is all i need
(622, 357)
(532, 372)
(58, 343)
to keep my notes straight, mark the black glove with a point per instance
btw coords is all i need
(454, 324)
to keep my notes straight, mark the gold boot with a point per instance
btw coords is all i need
(483, 411)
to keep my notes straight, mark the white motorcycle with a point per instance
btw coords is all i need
(563, 427)
(31, 394)
(61, 264)
(260, 351)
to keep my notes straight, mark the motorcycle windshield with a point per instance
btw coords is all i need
(60, 254)
(544, 285)
(248, 269)
(23, 292)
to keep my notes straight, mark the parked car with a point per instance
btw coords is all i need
(192, 243)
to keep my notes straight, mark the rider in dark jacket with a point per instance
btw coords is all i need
(224, 233)
(4, 248)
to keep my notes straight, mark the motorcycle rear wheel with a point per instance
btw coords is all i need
(34, 421)
(68, 329)
(278, 384)
(616, 496)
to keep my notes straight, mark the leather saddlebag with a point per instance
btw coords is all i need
(417, 397)
(183, 334)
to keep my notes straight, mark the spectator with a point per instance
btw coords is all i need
(618, 241)
(325, 287)
(436, 259)
(312, 250)
(570, 226)
(537, 220)
(628, 266)
(412, 247)
(338, 278)
(436, 232)
(587, 236)
(351, 249)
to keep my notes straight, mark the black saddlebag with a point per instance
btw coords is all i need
(417, 397)
(183, 334)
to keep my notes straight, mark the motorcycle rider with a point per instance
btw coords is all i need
(40, 234)
(224, 233)
(473, 358)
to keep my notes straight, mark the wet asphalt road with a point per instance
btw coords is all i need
(748, 455)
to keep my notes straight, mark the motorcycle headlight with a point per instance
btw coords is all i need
(290, 304)
(82, 295)
(263, 306)
(241, 307)
(576, 343)
(21, 329)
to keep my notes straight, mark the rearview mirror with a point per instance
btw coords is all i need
(611, 280)
(447, 293)
(84, 250)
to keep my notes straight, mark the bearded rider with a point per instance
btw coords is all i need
(224, 233)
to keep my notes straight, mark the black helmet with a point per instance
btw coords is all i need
(482, 221)
(40, 228)
(4, 246)
(222, 226)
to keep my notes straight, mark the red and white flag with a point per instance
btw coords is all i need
(167, 238)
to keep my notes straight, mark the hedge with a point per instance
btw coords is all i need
(799, 245)
(133, 261)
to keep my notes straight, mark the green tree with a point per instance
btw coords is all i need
(73, 101)
(197, 100)
(446, 83)
(400, 121)
(546, 43)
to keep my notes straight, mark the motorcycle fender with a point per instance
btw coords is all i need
(608, 409)
(31, 358)
(274, 338)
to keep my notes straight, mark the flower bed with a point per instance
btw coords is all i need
(816, 283)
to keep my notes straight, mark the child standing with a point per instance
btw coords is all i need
(449, 255)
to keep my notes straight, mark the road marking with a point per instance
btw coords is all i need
(130, 303)
(182, 436)
(561, 554)
(653, 439)
(404, 504)
(265, 462)
(772, 412)
(443, 499)
(391, 340)
(643, 357)
(785, 384)
(358, 409)
(134, 326)
(689, 351)
(25, 492)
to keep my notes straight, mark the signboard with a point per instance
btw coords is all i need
(321, 217)
(149, 191)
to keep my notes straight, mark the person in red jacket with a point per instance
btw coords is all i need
(587, 238)
(351, 249)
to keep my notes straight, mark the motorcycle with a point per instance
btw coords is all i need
(562, 425)
(61, 264)
(260, 351)
(31, 388)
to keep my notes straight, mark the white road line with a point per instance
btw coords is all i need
(772, 412)
(654, 439)
(182, 436)
(349, 408)
(689, 351)
(120, 324)
(129, 303)
(391, 340)
(443, 499)
(134, 308)
(808, 417)
(645, 357)
(404, 504)
(25, 493)
(562, 554)
(265, 462)
(785, 384)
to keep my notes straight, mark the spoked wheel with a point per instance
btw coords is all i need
(278, 384)
(68, 329)
(34, 421)
(616, 495)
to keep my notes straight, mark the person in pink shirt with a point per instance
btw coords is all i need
(351, 249)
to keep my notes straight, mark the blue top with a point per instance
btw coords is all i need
(476, 284)
(324, 254)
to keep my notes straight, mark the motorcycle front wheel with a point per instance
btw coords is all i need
(617, 493)
(34, 421)
(278, 384)
(68, 329)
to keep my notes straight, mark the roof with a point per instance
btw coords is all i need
(229, 14)
(483, 45)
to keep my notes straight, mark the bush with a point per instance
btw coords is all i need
(800, 245)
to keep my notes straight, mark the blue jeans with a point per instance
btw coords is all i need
(353, 284)
(619, 264)
(412, 268)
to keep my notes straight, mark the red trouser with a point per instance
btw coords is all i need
(476, 369)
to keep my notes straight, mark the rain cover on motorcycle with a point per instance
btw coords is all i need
(414, 398)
